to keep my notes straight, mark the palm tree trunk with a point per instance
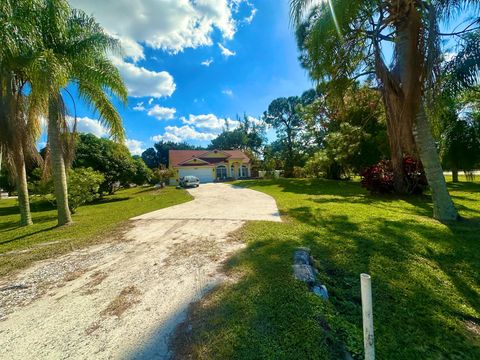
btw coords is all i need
(22, 188)
(58, 162)
(455, 174)
(443, 208)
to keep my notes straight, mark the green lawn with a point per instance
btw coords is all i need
(426, 279)
(96, 222)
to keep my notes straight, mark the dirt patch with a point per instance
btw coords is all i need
(96, 279)
(473, 327)
(125, 300)
(92, 328)
(74, 274)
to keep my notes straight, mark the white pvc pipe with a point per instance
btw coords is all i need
(367, 313)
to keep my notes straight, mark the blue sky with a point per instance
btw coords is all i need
(191, 66)
(248, 53)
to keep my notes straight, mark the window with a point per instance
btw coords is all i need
(221, 172)
(244, 171)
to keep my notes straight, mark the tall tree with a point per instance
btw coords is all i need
(342, 40)
(248, 136)
(76, 49)
(284, 116)
(19, 125)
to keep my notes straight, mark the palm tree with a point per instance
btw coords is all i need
(76, 50)
(343, 40)
(18, 117)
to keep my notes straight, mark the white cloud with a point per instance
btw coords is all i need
(183, 133)
(139, 107)
(131, 49)
(142, 82)
(135, 146)
(162, 113)
(249, 19)
(255, 121)
(227, 92)
(207, 62)
(226, 52)
(209, 121)
(170, 25)
(91, 126)
(150, 101)
(449, 56)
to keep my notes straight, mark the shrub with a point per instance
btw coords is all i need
(141, 173)
(298, 172)
(379, 177)
(162, 176)
(83, 186)
(322, 163)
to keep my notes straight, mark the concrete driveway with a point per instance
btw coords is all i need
(221, 202)
(123, 300)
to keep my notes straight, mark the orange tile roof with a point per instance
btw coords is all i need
(177, 157)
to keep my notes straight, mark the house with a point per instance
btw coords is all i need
(210, 165)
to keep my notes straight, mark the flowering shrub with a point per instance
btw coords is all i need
(379, 177)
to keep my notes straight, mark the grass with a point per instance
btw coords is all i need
(93, 223)
(426, 279)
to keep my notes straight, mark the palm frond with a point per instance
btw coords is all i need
(109, 116)
(463, 71)
(101, 71)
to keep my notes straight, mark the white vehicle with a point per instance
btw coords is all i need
(189, 181)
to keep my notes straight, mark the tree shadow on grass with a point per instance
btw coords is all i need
(36, 206)
(352, 192)
(20, 237)
(109, 200)
(420, 287)
(424, 275)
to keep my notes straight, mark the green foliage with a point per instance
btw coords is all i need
(83, 186)
(457, 129)
(349, 133)
(112, 159)
(320, 165)
(284, 115)
(247, 136)
(5, 181)
(141, 174)
(40, 184)
(459, 146)
(274, 156)
(463, 69)
(162, 175)
(150, 159)
(299, 172)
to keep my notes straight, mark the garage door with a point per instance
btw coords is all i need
(205, 175)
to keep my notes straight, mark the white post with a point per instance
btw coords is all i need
(367, 314)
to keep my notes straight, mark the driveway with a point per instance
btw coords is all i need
(123, 300)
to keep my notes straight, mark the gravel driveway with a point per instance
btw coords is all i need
(123, 300)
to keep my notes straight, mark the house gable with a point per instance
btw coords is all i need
(194, 161)
(215, 154)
